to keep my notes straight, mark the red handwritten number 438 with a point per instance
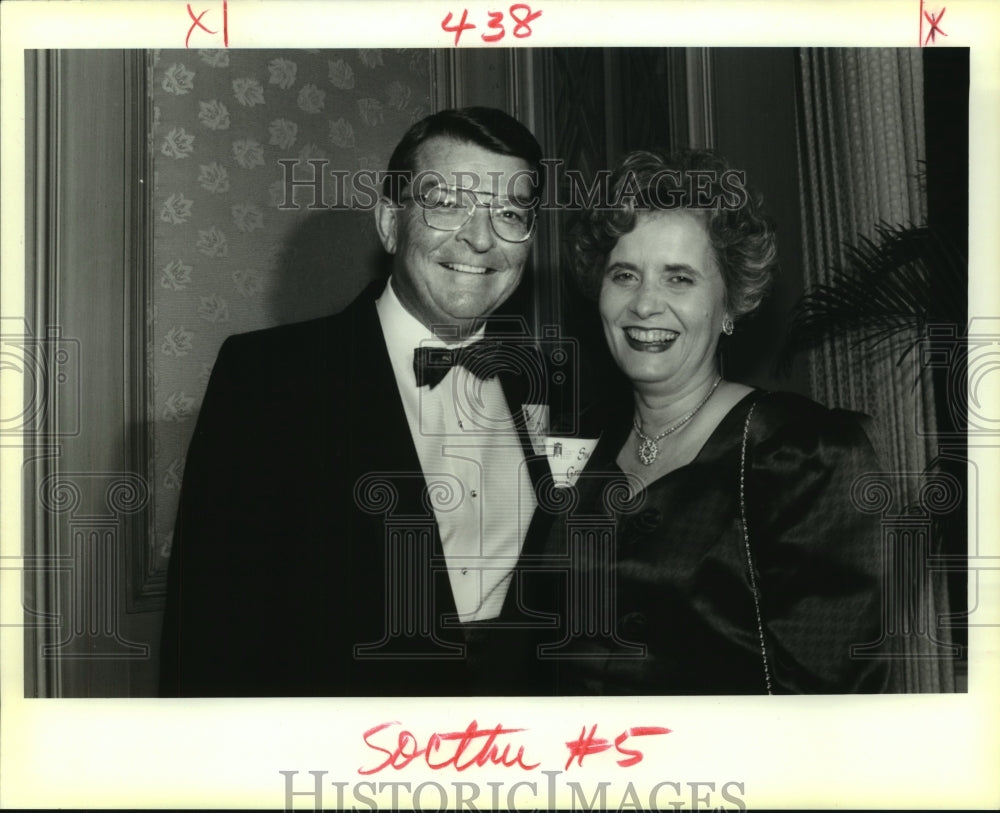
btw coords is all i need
(520, 13)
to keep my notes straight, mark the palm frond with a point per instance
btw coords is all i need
(896, 284)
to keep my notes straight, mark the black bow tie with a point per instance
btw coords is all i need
(431, 364)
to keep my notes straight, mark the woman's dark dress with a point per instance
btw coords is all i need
(671, 610)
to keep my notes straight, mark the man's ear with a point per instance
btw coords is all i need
(387, 216)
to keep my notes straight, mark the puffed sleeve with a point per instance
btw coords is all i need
(818, 556)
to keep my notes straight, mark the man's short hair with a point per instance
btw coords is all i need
(485, 127)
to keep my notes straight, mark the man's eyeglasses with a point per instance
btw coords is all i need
(448, 209)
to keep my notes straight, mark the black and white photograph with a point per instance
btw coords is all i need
(425, 392)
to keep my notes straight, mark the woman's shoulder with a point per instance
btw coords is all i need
(790, 407)
(782, 419)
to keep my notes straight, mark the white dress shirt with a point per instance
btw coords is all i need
(472, 461)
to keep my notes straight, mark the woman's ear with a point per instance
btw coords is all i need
(387, 223)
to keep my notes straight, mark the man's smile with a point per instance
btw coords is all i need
(463, 268)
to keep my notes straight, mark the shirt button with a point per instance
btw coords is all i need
(474, 493)
(465, 571)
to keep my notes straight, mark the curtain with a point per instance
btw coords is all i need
(861, 146)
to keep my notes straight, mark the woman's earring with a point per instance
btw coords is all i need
(727, 326)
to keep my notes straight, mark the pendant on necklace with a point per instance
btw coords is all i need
(648, 452)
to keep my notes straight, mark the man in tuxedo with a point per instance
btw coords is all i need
(359, 487)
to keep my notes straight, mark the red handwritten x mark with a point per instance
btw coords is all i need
(934, 20)
(199, 24)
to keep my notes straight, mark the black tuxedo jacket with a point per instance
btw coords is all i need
(302, 500)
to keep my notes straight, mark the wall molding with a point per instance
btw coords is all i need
(146, 582)
(87, 278)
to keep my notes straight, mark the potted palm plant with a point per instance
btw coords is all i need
(902, 289)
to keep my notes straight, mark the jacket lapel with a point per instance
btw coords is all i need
(515, 391)
(380, 441)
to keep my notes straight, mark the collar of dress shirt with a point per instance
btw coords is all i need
(403, 332)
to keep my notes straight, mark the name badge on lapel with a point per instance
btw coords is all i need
(567, 458)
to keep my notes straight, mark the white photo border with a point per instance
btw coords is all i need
(927, 751)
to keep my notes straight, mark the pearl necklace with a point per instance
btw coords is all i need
(649, 449)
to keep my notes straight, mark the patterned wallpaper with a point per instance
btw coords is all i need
(226, 258)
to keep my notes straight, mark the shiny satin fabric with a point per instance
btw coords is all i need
(656, 597)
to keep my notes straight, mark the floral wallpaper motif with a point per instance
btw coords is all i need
(226, 258)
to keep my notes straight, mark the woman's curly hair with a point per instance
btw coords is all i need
(697, 181)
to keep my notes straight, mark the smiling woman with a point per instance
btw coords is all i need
(725, 551)
(680, 252)
(663, 302)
